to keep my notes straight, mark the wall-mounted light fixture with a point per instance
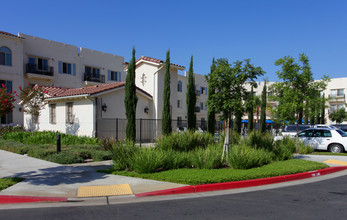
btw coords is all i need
(104, 107)
(146, 110)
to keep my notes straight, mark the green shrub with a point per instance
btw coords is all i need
(284, 149)
(107, 143)
(261, 140)
(185, 141)
(245, 157)
(148, 160)
(305, 149)
(208, 158)
(236, 138)
(100, 155)
(65, 157)
(122, 154)
(9, 181)
(7, 129)
(176, 159)
(40, 153)
(48, 137)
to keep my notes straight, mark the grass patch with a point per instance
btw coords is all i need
(328, 153)
(205, 176)
(9, 181)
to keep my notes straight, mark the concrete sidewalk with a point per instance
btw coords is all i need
(47, 179)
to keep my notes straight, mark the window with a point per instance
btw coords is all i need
(92, 71)
(179, 86)
(203, 90)
(340, 92)
(179, 121)
(179, 103)
(337, 92)
(52, 113)
(201, 106)
(336, 107)
(8, 118)
(69, 113)
(114, 76)
(42, 64)
(5, 56)
(67, 68)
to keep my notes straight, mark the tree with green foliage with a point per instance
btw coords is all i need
(263, 109)
(166, 128)
(191, 98)
(297, 86)
(130, 100)
(211, 114)
(228, 81)
(33, 101)
(338, 116)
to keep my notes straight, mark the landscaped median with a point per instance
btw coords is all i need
(242, 184)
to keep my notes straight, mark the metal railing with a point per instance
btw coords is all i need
(147, 130)
(33, 68)
(94, 78)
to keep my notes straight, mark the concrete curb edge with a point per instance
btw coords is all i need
(7, 199)
(242, 184)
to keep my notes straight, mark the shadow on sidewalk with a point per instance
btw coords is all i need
(63, 175)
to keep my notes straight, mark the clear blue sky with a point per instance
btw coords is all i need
(260, 30)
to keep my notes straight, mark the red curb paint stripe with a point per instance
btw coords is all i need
(242, 184)
(26, 199)
(179, 190)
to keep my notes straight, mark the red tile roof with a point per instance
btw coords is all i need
(150, 59)
(88, 90)
(9, 34)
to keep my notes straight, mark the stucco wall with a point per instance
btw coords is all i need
(82, 117)
(13, 73)
(104, 61)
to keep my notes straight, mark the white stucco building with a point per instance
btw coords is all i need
(26, 59)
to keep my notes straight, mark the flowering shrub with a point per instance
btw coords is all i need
(6, 101)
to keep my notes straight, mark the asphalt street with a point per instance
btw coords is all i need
(325, 199)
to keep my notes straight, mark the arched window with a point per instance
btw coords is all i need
(179, 86)
(5, 56)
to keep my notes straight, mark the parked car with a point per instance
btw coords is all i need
(290, 130)
(331, 140)
(324, 126)
(342, 127)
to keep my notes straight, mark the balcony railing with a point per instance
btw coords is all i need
(337, 97)
(94, 78)
(32, 68)
(197, 92)
(197, 109)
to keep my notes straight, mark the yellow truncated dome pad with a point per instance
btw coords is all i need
(110, 190)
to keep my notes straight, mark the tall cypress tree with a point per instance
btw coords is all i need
(130, 100)
(166, 116)
(211, 118)
(250, 111)
(191, 98)
(323, 110)
(263, 110)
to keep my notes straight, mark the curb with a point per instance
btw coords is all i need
(26, 199)
(243, 183)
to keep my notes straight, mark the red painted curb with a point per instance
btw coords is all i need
(26, 199)
(242, 184)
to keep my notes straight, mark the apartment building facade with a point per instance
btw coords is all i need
(26, 59)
